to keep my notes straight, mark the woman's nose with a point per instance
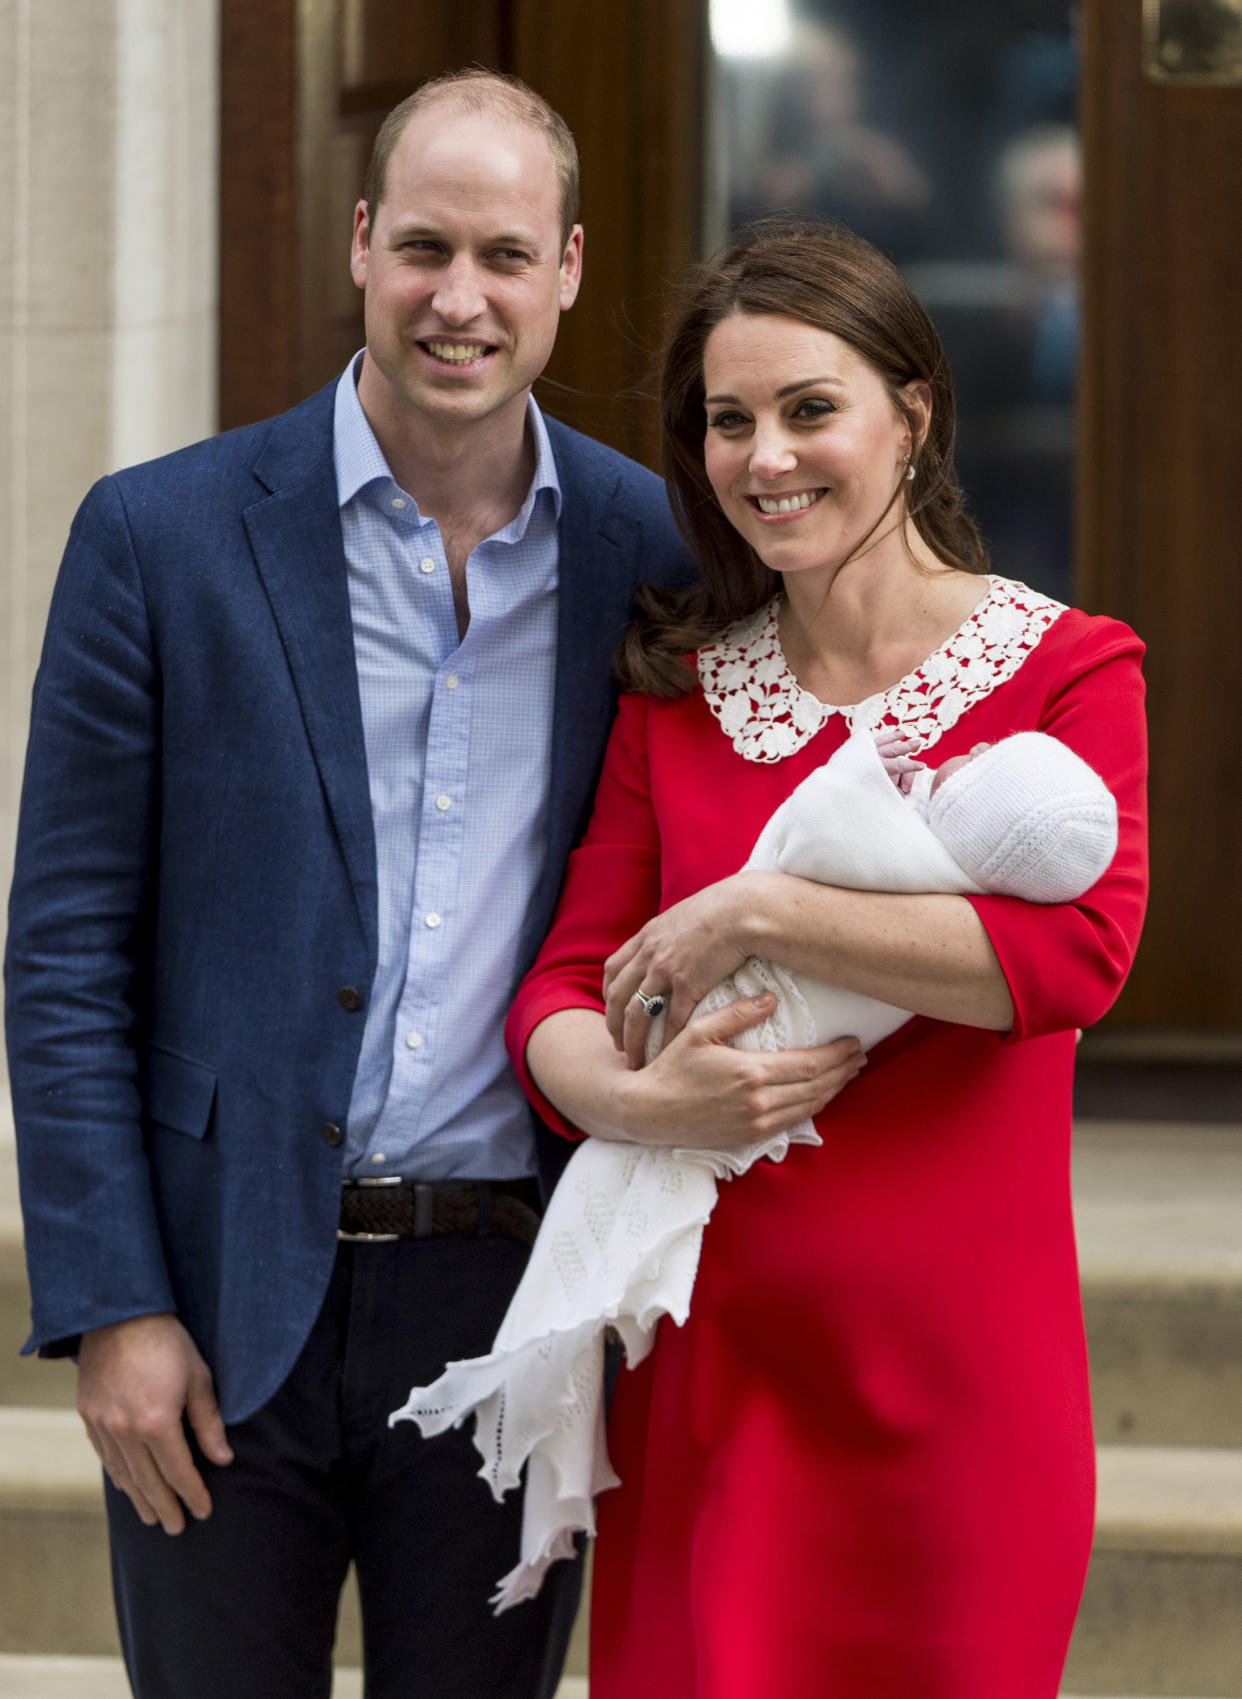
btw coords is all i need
(771, 454)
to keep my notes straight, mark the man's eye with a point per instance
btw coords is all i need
(511, 256)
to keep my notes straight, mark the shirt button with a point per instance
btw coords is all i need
(431, 920)
(444, 803)
(398, 501)
(413, 1040)
(331, 1135)
(427, 565)
(379, 1157)
(349, 999)
(451, 682)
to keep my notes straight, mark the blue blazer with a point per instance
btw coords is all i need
(196, 879)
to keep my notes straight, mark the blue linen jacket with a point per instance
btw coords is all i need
(195, 878)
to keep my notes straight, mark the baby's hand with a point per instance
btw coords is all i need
(895, 750)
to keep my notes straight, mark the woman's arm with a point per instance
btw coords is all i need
(699, 1091)
(996, 962)
(928, 954)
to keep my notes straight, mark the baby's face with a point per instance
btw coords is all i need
(954, 765)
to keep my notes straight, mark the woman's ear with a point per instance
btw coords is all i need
(918, 399)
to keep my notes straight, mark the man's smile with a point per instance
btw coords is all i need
(457, 353)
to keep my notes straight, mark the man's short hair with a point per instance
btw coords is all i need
(492, 92)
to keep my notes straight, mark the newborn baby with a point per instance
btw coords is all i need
(619, 1245)
(1025, 817)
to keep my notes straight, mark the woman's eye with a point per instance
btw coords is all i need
(813, 409)
(726, 421)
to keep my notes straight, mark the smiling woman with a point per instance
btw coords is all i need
(802, 366)
(808, 468)
(863, 1466)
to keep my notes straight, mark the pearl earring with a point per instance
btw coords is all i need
(905, 461)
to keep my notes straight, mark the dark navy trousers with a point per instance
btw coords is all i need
(243, 1606)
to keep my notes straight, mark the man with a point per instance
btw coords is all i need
(317, 721)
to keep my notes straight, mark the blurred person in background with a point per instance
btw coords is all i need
(817, 151)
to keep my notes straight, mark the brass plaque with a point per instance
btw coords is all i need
(1193, 41)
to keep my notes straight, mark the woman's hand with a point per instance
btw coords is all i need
(701, 1092)
(681, 955)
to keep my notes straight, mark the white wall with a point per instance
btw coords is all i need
(108, 174)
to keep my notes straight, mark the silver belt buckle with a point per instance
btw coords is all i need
(370, 1238)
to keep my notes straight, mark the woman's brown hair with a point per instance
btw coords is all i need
(822, 274)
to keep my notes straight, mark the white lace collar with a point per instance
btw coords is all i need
(768, 715)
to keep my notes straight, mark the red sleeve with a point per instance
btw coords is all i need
(1066, 963)
(612, 888)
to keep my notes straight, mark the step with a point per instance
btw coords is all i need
(23, 1380)
(1158, 1208)
(27, 1676)
(1162, 1608)
(1162, 1612)
(54, 1584)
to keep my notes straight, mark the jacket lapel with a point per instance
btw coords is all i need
(295, 532)
(597, 569)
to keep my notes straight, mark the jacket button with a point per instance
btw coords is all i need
(349, 999)
(331, 1134)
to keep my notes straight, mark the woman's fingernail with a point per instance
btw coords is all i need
(764, 1000)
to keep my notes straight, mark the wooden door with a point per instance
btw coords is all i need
(1159, 455)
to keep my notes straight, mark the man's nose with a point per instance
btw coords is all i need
(458, 296)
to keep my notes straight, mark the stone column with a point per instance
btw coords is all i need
(108, 151)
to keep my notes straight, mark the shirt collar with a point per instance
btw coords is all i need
(359, 460)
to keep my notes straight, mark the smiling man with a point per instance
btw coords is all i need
(319, 713)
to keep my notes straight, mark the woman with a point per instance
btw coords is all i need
(864, 1468)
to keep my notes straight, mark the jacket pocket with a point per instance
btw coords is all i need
(179, 1091)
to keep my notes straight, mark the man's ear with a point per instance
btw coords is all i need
(571, 268)
(360, 247)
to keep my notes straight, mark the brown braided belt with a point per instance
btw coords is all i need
(375, 1211)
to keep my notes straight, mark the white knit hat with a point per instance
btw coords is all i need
(1027, 818)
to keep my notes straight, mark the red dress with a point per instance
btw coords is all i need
(864, 1468)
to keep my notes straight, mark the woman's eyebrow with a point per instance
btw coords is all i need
(788, 389)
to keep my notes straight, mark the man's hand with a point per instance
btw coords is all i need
(136, 1379)
(681, 954)
(701, 1091)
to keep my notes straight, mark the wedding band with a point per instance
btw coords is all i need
(653, 1005)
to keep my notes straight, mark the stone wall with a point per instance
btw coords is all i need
(108, 152)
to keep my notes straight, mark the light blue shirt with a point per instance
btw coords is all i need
(458, 741)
